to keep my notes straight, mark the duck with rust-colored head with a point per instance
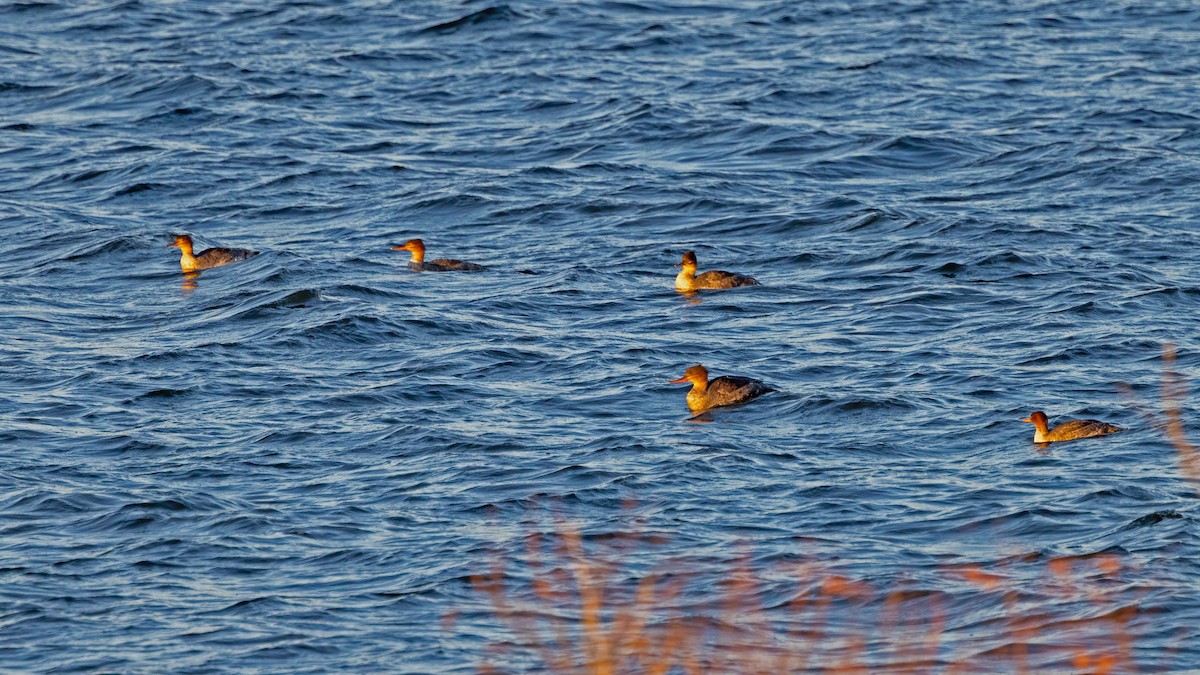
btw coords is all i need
(417, 262)
(209, 257)
(687, 279)
(1067, 431)
(724, 390)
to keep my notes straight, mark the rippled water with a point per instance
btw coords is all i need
(959, 211)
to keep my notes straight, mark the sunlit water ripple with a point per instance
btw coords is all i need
(960, 212)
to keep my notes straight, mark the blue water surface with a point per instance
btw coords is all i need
(960, 212)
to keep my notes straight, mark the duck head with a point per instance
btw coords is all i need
(414, 246)
(688, 261)
(697, 375)
(1039, 420)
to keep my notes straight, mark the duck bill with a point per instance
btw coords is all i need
(679, 381)
(678, 264)
(171, 244)
(1027, 419)
(399, 248)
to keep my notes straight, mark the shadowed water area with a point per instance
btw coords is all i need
(960, 212)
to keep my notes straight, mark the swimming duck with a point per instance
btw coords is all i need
(209, 257)
(417, 247)
(725, 390)
(688, 280)
(1067, 431)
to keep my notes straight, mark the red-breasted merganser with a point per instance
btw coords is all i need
(725, 390)
(1067, 431)
(209, 257)
(417, 247)
(687, 279)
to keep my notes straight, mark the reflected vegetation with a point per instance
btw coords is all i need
(620, 603)
(1173, 391)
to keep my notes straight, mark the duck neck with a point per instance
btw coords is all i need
(418, 256)
(685, 280)
(187, 260)
(696, 398)
(1040, 429)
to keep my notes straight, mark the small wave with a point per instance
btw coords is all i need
(861, 66)
(651, 42)
(163, 505)
(161, 394)
(122, 444)
(1145, 118)
(104, 248)
(925, 152)
(136, 188)
(365, 149)
(553, 105)
(294, 300)
(358, 329)
(461, 201)
(18, 88)
(387, 59)
(38, 502)
(1153, 519)
(483, 17)
(87, 176)
(251, 607)
(880, 404)
(258, 305)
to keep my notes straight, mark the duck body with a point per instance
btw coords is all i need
(209, 257)
(417, 262)
(446, 265)
(724, 390)
(687, 280)
(1067, 431)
